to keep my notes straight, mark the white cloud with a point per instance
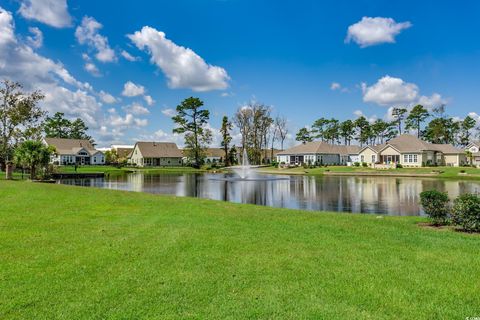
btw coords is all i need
(87, 33)
(389, 90)
(359, 113)
(131, 89)
(434, 100)
(51, 12)
(92, 69)
(149, 100)
(169, 112)
(335, 86)
(128, 56)
(107, 97)
(136, 108)
(128, 121)
(36, 39)
(182, 66)
(373, 31)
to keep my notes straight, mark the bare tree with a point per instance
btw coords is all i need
(282, 129)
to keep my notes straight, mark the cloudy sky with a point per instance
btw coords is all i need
(123, 66)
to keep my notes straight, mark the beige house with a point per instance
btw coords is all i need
(155, 154)
(474, 149)
(318, 152)
(74, 151)
(409, 151)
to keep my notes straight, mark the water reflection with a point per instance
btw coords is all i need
(382, 195)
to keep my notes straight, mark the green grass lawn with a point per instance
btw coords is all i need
(83, 253)
(447, 172)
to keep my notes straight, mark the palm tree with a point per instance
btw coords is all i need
(32, 154)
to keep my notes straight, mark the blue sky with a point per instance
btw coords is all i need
(297, 56)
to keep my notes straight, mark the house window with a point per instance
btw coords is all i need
(362, 158)
(373, 158)
(410, 158)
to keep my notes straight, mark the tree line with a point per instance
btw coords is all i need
(259, 131)
(23, 124)
(440, 128)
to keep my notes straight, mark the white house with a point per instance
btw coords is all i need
(410, 151)
(319, 152)
(74, 151)
(474, 149)
(154, 154)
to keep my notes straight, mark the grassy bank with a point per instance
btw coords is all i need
(445, 172)
(82, 253)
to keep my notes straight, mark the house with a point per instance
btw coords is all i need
(319, 152)
(74, 151)
(122, 151)
(154, 154)
(214, 155)
(410, 151)
(474, 149)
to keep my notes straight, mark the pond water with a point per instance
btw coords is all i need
(379, 195)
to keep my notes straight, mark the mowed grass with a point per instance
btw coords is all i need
(85, 253)
(445, 172)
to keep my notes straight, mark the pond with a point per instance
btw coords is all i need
(378, 195)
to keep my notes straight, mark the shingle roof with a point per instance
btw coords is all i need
(320, 147)
(70, 146)
(123, 152)
(159, 149)
(408, 143)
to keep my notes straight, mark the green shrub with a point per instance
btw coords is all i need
(356, 164)
(399, 166)
(466, 212)
(435, 205)
(364, 164)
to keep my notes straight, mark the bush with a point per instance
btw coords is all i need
(364, 164)
(466, 212)
(435, 205)
(356, 164)
(399, 166)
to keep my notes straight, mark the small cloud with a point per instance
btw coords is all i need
(335, 86)
(88, 33)
(128, 56)
(169, 112)
(92, 69)
(36, 39)
(107, 97)
(131, 89)
(149, 100)
(137, 109)
(373, 31)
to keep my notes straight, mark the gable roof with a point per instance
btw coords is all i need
(320, 147)
(71, 146)
(158, 149)
(123, 152)
(473, 143)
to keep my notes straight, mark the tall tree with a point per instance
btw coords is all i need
(347, 131)
(414, 120)
(32, 154)
(226, 137)
(243, 120)
(363, 130)
(191, 120)
(465, 130)
(304, 135)
(19, 116)
(58, 126)
(331, 132)
(399, 115)
(381, 130)
(281, 124)
(318, 128)
(442, 130)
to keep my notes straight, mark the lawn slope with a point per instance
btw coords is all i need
(83, 253)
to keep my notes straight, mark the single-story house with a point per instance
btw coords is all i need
(474, 149)
(123, 151)
(319, 152)
(410, 151)
(74, 151)
(154, 154)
